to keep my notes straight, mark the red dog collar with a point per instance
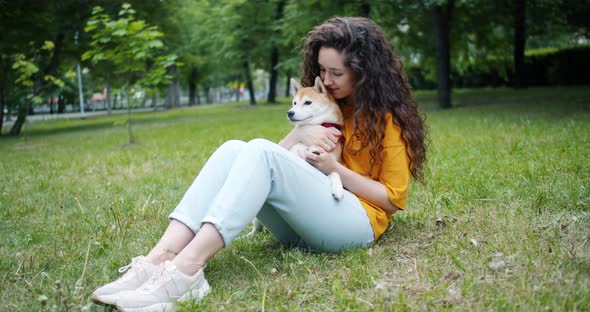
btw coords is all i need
(333, 125)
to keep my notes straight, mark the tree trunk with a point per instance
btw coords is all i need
(116, 101)
(441, 18)
(192, 86)
(249, 83)
(107, 88)
(9, 113)
(129, 129)
(155, 100)
(288, 85)
(2, 104)
(55, 57)
(61, 104)
(207, 94)
(2, 97)
(144, 100)
(274, 57)
(38, 85)
(20, 119)
(365, 8)
(24, 110)
(172, 92)
(238, 83)
(519, 43)
(3, 67)
(30, 109)
(274, 61)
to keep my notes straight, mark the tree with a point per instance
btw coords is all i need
(274, 52)
(250, 30)
(189, 27)
(299, 17)
(133, 49)
(30, 84)
(26, 26)
(519, 42)
(441, 20)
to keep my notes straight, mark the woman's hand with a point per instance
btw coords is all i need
(317, 135)
(356, 183)
(319, 158)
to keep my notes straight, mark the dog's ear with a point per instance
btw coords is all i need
(319, 86)
(295, 86)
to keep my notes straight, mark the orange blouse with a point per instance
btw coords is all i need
(391, 169)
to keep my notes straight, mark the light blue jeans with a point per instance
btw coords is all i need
(289, 196)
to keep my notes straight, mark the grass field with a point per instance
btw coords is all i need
(502, 224)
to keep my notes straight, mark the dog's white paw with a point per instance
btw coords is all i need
(336, 185)
(337, 192)
(256, 227)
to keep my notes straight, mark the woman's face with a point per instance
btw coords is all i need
(338, 78)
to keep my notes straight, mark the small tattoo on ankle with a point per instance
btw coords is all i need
(171, 251)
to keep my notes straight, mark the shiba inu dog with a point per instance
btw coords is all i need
(314, 106)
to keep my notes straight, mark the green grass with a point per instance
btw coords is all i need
(503, 223)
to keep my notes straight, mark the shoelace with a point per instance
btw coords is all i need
(134, 262)
(158, 275)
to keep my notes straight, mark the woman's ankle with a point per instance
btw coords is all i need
(161, 255)
(187, 267)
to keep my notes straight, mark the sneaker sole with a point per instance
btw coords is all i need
(101, 300)
(159, 307)
(196, 295)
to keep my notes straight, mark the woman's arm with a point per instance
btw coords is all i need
(312, 135)
(289, 140)
(364, 187)
(361, 186)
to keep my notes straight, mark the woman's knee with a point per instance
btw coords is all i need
(262, 144)
(233, 146)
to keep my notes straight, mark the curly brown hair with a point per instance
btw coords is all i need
(376, 67)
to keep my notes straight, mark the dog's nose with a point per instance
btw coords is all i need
(290, 113)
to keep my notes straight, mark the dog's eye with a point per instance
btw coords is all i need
(294, 103)
(306, 102)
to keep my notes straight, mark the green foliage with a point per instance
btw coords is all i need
(559, 67)
(26, 70)
(131, 47)
(214, 38)
(502, 223)
(547, 66)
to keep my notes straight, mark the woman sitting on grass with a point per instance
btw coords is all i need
(384, 145)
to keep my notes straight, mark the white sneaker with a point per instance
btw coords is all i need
(138, 272)
(163, 289)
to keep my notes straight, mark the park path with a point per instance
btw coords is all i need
(76, 115)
